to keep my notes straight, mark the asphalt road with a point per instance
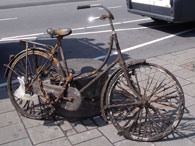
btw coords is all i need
(139, 36)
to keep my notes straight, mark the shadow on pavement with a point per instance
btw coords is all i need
(172, 28)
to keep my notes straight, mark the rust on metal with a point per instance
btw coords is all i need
(94, 72)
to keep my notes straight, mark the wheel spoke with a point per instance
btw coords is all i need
(124, 94)
(121, 105)
(133, 125)
(128, 121)
(164, 118)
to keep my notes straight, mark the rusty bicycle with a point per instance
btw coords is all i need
(144, 101)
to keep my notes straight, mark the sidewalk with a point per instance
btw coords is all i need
(19, 131)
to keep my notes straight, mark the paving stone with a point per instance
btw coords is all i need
(193, 140)
(56, 142)
(189, 65)
(192, 79)
(70, 132)
(133, 143)
(29, 123)
(192, 50)
(12, 133)
(189, 90)
(89, 124)
(111, 133)
(189, 101)
(187, 127)
(79, 127)
(100, 141)
(187, 55)
(65, 125)
(172, 68)
(84, 136)
(99, 121)
(6, 106)
(191, 110)
(44, 133)
(9, 118)
(157, 61)
(184, 73)
(178, 142)
(178, 61)
(167, 57)
(179, 52)
(183, 82)
(21, 142)
(191, 68)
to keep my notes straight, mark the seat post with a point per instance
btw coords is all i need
(59, 44)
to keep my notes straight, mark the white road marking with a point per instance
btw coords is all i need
(115, 7)
(131, 21)
(147, 43)
(23, 36)
(33, 36)
(74, 29)
(7, 19)
(17, 39)
(3, 85)
(116, 23)
(117, 30)
(81, 28)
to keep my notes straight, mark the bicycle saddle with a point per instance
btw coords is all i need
(61, 32)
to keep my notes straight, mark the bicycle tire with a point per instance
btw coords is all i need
(35, 106)
(153, 115)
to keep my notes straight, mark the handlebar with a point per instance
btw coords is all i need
(109, 16)
(83, 7)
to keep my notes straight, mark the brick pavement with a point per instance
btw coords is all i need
(19, 131)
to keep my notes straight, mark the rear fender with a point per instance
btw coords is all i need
(12, 58)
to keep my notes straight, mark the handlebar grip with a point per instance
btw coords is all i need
(83, 7)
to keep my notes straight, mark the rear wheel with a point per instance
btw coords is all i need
(151, 117)
(28, 100)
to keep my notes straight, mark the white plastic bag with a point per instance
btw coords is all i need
(20, 92)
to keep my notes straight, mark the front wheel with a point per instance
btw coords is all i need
(153, 115)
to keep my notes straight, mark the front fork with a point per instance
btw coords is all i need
(123, 65)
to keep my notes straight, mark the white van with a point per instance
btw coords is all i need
(166, 10)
